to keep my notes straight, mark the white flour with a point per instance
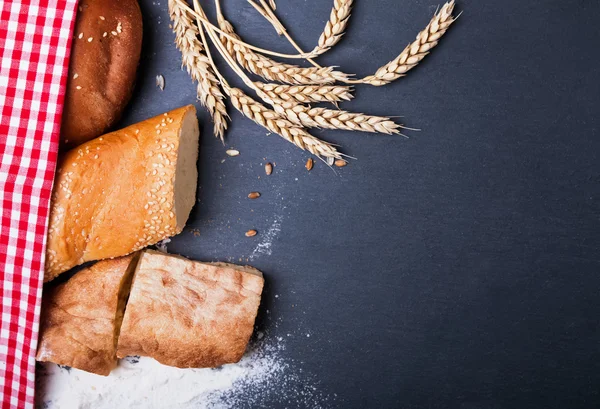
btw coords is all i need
(145, 384)
(266, 240)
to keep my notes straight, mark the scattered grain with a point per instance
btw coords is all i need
(309, 164)
(254, 195)
(251, 233)
(268, 169)
(160, 82)
(340, 163)
(232, 152)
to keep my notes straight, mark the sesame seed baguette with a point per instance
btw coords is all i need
(123, 191)
(106, 48)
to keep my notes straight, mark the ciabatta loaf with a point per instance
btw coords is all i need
(123, 191)
(189, 314)
(80, 319)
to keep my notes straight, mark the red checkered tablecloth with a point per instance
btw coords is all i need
(35, 39)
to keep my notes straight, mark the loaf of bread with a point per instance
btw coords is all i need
(80, 319)
(189, 314)
(123, 191)
(104, 59)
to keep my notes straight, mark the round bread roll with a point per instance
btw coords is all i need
(104, 58)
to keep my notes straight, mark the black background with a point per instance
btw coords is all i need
(456, 269)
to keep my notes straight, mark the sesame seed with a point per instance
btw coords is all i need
(113, 33)
(137, 131)
(96, 156)
(158, 131)
(80, 36)
(78, 87)
(90, 39)
(75, 76)
(102, 18)
(165, 114)
(101, 139)
(104, 34)
(163, 124)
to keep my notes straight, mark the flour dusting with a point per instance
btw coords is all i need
(142, 383)
(162, 245)
(266, 243)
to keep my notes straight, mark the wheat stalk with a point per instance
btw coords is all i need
(279, 125)
(272, 70)
(416, 51)
(335, 27)
(334, 119)
(306, 93)
(198, 66)
(261, 114)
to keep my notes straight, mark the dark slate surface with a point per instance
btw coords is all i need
(457, 269)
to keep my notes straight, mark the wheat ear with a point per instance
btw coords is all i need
(306, 93)
(272, 70)
(334, 119)
(277, 124)
(264, 116)
(416, 51)
(335, 27)
(198, 66)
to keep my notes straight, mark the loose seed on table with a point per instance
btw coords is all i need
(309, 164)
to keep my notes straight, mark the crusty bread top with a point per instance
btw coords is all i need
(115, 194)
(104, 58)
(189, 314)
(79, 318)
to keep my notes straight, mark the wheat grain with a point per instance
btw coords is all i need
(277, 124)
(335, 27)
(198, 66)
(306, 93)
(272, 70)
(416, 51)
(304, 115)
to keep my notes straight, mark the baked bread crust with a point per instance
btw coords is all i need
(80, 318)
(189, 314)
(105, 54)
(118, 193)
